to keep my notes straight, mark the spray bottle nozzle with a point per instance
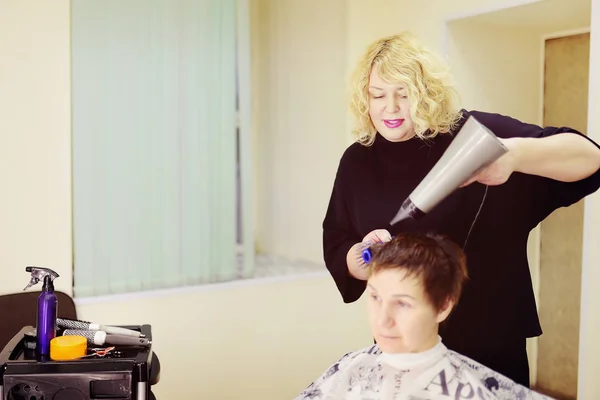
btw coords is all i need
(38, 274)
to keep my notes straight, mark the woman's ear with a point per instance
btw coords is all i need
(445, 311)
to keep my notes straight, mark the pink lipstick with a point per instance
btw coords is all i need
(393, 123)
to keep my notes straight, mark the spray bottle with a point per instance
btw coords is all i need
(47, 308)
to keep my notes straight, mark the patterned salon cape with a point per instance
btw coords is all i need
(438, 373)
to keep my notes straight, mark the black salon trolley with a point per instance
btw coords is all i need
(127, 374)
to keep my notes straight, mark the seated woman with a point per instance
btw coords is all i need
(414, 283)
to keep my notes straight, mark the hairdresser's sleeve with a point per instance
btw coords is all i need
(339, 236)
(548, 194)
(552, 194)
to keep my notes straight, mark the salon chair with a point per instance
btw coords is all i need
(20, 309)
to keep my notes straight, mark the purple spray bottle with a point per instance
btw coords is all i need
(47, 308)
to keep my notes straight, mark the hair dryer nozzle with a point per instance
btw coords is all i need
(474, 148)
(407, 210)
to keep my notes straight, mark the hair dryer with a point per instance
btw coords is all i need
(474, 148)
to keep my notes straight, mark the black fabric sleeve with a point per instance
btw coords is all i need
(553, 194)
(338, 237)
(549, 194)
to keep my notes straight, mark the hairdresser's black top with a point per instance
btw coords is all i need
(498, 301)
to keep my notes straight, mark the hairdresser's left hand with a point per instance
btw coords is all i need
(500, 170)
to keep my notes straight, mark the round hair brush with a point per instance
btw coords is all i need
(67, 323)
(100, 338)
(363, 254)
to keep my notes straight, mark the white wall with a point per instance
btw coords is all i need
(300, 129)
(35, 147)
(589, 345)
(490, 82)
(370, 20)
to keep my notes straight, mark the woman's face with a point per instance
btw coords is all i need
(402, 318)
(389, 109)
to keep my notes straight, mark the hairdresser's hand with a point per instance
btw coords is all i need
(356, 266)
(499, 171)
(377, 236)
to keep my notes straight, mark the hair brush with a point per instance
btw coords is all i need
(100, 338)
(67, 323)
(364, 252)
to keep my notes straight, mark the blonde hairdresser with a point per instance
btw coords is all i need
(406, 112)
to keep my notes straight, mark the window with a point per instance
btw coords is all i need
(161, 149)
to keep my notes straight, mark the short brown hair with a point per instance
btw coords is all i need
(435, 260)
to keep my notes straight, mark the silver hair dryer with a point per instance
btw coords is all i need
(474, 148)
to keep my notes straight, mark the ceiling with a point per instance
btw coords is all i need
(546, 16)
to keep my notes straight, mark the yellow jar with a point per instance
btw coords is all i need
(64, 348)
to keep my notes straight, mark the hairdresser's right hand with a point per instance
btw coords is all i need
(377, 236)
(353, 258)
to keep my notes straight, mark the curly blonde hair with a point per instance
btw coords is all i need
(402, 59)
